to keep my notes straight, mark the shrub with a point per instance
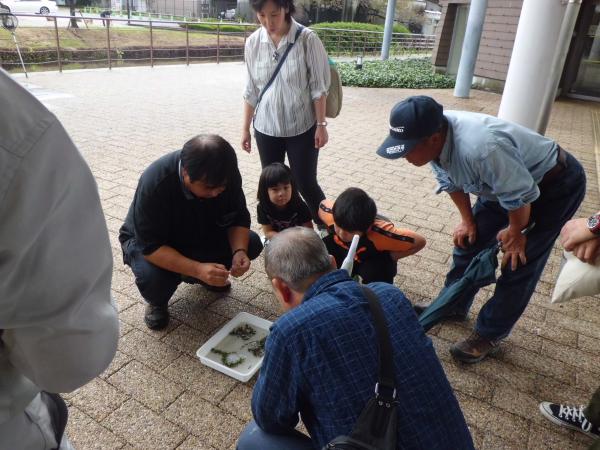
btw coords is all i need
(398, 28)
(225, 27)
(394, 73)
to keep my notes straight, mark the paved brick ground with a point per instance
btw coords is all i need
(156, 394)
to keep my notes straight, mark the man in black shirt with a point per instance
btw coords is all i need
(188, 222)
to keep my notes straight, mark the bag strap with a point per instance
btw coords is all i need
(385, 377)
(278, 68)
(58, 412)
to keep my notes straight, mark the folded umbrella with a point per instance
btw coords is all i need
(479, 273)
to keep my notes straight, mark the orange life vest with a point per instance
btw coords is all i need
(383, 234)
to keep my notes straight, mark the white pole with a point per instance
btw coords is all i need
(533, 51)
(19, 52)
(564, 41)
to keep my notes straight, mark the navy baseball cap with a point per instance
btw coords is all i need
(411, 120)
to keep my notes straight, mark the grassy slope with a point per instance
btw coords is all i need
(44, 38)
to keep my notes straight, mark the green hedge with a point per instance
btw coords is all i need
(225, 27)
(230, 27)
(394, 73)
(358, 26)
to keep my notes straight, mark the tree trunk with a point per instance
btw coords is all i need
(71, 4)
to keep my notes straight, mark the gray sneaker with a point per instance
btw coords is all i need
(570, 417)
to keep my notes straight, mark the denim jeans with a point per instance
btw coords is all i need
(557, 203)
(157, 285)
(254, 438)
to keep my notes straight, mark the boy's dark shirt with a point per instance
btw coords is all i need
(296, 213)
(164, 212)
(364, 251)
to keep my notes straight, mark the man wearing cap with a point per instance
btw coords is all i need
(519, 177)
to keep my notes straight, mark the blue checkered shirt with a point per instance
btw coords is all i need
(321, 361)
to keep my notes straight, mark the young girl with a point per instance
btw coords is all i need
(279, 204)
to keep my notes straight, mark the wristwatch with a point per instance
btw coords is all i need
(322, 124)
(593, 224)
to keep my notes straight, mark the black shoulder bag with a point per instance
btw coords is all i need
(278, 68)
(376, 427)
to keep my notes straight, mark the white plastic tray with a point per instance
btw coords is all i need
(224, 341)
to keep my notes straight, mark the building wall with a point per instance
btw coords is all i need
(497, 40)
(443, 34)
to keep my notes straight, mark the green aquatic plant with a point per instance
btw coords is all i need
(257, 348)
(229, 359)
(244, 332)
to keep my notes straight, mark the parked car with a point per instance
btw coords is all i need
(228, 14)
(31, 6)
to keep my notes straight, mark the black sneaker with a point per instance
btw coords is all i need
(570, 417)
(212, 288)
(208, 287)
(156, 317)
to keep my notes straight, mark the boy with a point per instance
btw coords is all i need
(380, 246)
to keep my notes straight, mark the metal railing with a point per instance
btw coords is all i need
(360, 42)
(111, 42)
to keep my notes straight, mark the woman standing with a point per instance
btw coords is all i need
(291, 115)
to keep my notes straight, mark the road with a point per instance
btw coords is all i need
(92, 20)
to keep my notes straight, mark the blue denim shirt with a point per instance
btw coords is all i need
(321, 361)
(493, 159)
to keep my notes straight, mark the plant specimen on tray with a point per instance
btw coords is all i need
(229, 359)
(244, 332)
(257, 348)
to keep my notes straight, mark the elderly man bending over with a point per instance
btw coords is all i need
(321, 358)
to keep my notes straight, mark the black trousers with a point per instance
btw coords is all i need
(158, 285)
(380, 267)
(303, 158)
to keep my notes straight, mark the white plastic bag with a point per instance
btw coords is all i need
(576, 279)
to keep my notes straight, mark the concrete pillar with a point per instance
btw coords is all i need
(556, 67)
(388, 30)
(470, 48)
(533, 51)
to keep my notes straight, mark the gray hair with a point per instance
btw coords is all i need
(295, 255)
